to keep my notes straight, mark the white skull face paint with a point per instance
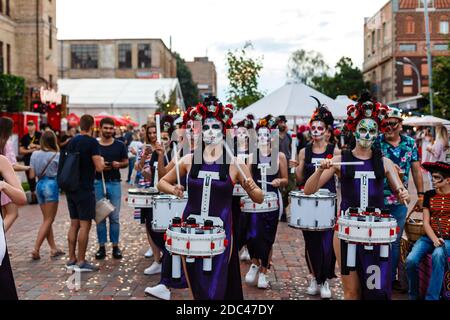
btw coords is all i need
(212, 131)
(366, 133)
(242, 135)
(318, 129)
(263, 136)
(192, 132)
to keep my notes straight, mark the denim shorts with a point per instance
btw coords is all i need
(47, 190)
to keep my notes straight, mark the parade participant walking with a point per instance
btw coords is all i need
(44, 166)
(364, 121)
(149, 163)
(115, 154)
(10, 185)
(319, 252)
(402, 151)
(262, 226)
(9, 209)
(436, 241)
(28, 144)
(286, 148)
(133, 150)
(81, 203)
(215, 120)
(244, 129)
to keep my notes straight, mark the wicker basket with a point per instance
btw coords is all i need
(414, 228)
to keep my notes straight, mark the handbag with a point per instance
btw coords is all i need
(103, 207)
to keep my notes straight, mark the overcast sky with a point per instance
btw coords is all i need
(200, 27)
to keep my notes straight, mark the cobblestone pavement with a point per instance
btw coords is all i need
(124, 279)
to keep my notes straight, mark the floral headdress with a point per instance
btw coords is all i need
(366, 108)
(212, 108)
(268, 122)
(247, 122)
(322, 114)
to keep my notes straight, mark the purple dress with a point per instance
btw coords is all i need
(319, 251)
(214, 285)
(7, 285)
(365, 260)
(262, 226)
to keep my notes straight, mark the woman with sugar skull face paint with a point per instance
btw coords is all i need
(221, 283)
(262, 226)
(364, 121)
(319, 253)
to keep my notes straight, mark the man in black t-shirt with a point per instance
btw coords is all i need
(116, 157)
(28, 144)
(81, 203)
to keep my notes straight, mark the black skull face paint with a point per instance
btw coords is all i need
(212, 131)
(263, 137)
(318, 129)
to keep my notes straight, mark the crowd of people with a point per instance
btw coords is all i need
(372, 138)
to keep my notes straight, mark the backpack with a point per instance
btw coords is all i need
(69, 170)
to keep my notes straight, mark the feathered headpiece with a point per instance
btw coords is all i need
(366, 108)
(267, 122)
(247, 122)
(322, 114)
(167, 124)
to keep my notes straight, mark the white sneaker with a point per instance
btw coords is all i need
(325, 292)
(153, 269)
(252, 274)
(245, 256)
(263, 283)
(313, 288)
(149, 253)
(160, 291)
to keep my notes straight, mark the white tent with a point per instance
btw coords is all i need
(425, 121)
(293, 101)
(344, 101)
(133, 97)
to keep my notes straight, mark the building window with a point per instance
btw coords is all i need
(124, 56)
(50, 81)
(144, 56)
(373, 41)
(1, 6)
(443, 26)
(440, 47)
(7, 11)
(8, 59)
(408, 47)
(50, 33)
(430, 3)
(84, 56)
(1, 58)
(407, 82)
(410, 25)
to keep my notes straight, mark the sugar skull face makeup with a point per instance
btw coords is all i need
(366, 133)
(241, 135)
(263, 137)
(318, 129)
(212, 131)
(192, 131)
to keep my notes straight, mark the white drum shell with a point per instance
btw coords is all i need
(315, 212)
(238, 191)
(372, 233)
(270, 204)
(165, 208)
(200, 244)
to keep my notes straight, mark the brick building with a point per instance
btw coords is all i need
(116, 58)
(204, 75)
(396, 32)
(28, 41)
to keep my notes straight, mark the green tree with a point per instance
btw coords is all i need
(188, 87)
(304, 65)
(12, 93)
(348, 80)
(243, 75)
(166, 104)
(441, 87)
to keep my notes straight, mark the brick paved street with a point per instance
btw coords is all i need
(46, 279)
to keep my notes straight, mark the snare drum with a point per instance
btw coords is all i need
(141, 198)
(198, 244)
(316, 212)
(165, 208)
(238, 191)
(270, 203)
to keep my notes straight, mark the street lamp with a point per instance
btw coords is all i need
(408, 61)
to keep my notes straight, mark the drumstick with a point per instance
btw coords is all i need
(293, 150)
(357, 163)
(158, 127)
(175, 150)
(268, 183)
(230, 153)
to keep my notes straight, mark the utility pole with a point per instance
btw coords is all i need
(429, 58)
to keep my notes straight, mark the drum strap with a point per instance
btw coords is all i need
(208, 178)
